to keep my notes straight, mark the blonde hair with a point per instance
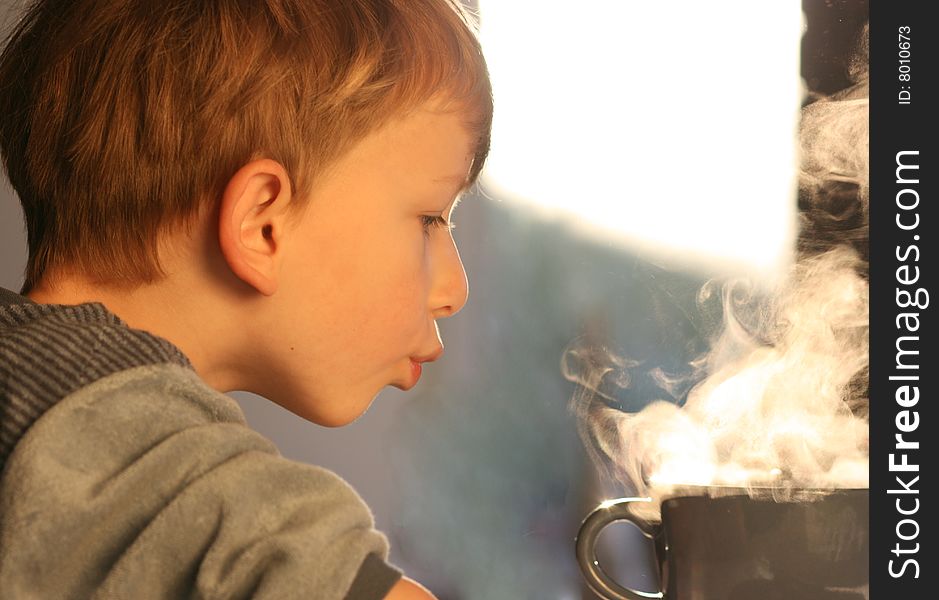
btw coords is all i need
(121, 119)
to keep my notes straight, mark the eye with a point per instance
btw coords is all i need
(435, 222)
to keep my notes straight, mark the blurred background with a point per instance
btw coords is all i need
(639, 149)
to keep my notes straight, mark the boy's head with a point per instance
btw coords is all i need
(275, 156)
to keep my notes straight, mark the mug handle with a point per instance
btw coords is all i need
(586, 541)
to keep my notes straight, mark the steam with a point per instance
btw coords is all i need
(834, 190)
(779, 401)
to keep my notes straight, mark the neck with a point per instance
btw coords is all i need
(194, 323)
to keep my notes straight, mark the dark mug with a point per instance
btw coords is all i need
(812, 545)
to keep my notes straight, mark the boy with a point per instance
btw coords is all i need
(220, 195)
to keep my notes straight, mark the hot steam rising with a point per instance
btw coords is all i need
(780, 399)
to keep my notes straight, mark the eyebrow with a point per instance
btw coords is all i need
(460, 180)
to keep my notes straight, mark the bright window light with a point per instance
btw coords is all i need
(667, 127)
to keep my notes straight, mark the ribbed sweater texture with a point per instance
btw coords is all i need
(48, 351)
(308, 532)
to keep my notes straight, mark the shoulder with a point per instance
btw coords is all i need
(170, 479)
(106, 425)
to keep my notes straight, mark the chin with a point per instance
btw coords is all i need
(333, 419)
(335, 423)
(346, 411)
(334, 408)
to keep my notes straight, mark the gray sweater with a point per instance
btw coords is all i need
(123, 475)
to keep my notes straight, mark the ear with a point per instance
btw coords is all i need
(252, 215)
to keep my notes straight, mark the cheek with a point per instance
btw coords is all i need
(373, 282)
(398, 288)
(394, 265)
(399, 291)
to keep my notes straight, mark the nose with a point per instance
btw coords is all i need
(449, 287)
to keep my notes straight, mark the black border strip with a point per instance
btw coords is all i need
(902, 270)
